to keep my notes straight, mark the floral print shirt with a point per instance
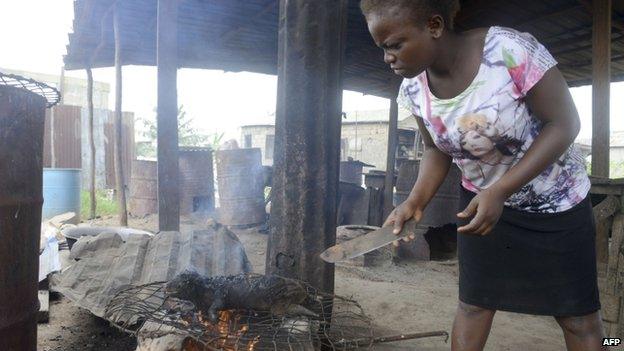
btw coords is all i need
(488, 127)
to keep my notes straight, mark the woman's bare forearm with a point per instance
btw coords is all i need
(434, 167)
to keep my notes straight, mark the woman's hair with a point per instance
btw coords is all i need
(419, 10)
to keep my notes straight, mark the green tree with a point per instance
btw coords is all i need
(187, 135)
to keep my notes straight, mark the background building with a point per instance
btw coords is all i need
(364, 136)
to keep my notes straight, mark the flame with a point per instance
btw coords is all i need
(225, 334)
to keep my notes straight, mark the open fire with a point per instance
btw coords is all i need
(337, 323)
(228, 333)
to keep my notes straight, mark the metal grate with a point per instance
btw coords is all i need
(340, 323)
(52, 95)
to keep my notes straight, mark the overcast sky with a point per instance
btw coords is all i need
(34, 35)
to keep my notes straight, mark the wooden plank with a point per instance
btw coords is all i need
(607, 189)
(390, 158)
(167, 116)
(602, 245)
(606, 181)
(606, 208)
(601, 74)
(43, 315)
(615, 259)
(617, 330)
(610, 307)
(602, 216)
(119, 168)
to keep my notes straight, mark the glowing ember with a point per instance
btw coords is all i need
(225, 335)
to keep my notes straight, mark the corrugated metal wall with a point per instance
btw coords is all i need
(67, 134)
(69, 129)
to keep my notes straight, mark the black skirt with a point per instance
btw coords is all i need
(535, 263)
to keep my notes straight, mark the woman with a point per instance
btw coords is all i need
(527, 240)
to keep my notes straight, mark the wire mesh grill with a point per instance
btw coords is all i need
(339, 324)
(52, 95)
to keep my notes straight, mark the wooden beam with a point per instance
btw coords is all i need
(617, 240)
(390, 158)
(119, 167)
(617, 21)
(606, 208)
(601, 73)
(307, 139)
(93, 200)
(587, 63)
(614, 39)
(167, 116)
(554, 13)
(229, 34)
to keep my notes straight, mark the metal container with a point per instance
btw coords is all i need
(351, 171)
(375, 179)
(144, 188)
(408, 173)
(196, 180)
(442, 209)
(61, 192)
(241, 187)
(22, 116)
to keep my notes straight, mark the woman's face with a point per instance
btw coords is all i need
(476, 144)
(408, 48)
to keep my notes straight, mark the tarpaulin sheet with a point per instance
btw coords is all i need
(107, 264)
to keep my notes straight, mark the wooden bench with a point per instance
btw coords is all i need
(609, 216)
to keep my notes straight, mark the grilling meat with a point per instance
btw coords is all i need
(274, 294)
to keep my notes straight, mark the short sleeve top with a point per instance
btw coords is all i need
(488, 127)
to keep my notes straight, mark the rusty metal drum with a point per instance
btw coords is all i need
(408, 173)
(375, 179)
(196, 180)
(144, 188)
(442, 209)
(351, 171)
(22, 117)
(240, 186)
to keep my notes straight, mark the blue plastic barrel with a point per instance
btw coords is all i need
(61, 192)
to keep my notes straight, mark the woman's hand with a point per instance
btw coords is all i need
(403, 213)
(486, 207)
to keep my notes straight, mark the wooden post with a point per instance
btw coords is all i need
(61, 87)
(307, 139)
(119, 171)
(167, 119)
(390, 158)
(93, 201)
(601, 75)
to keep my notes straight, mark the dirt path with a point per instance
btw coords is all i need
(405, 298)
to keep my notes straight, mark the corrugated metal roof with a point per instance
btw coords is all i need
(241, 35)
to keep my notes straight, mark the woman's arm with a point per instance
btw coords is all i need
(551, 102)
(432, 170)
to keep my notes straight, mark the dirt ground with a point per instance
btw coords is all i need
(409, 297)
